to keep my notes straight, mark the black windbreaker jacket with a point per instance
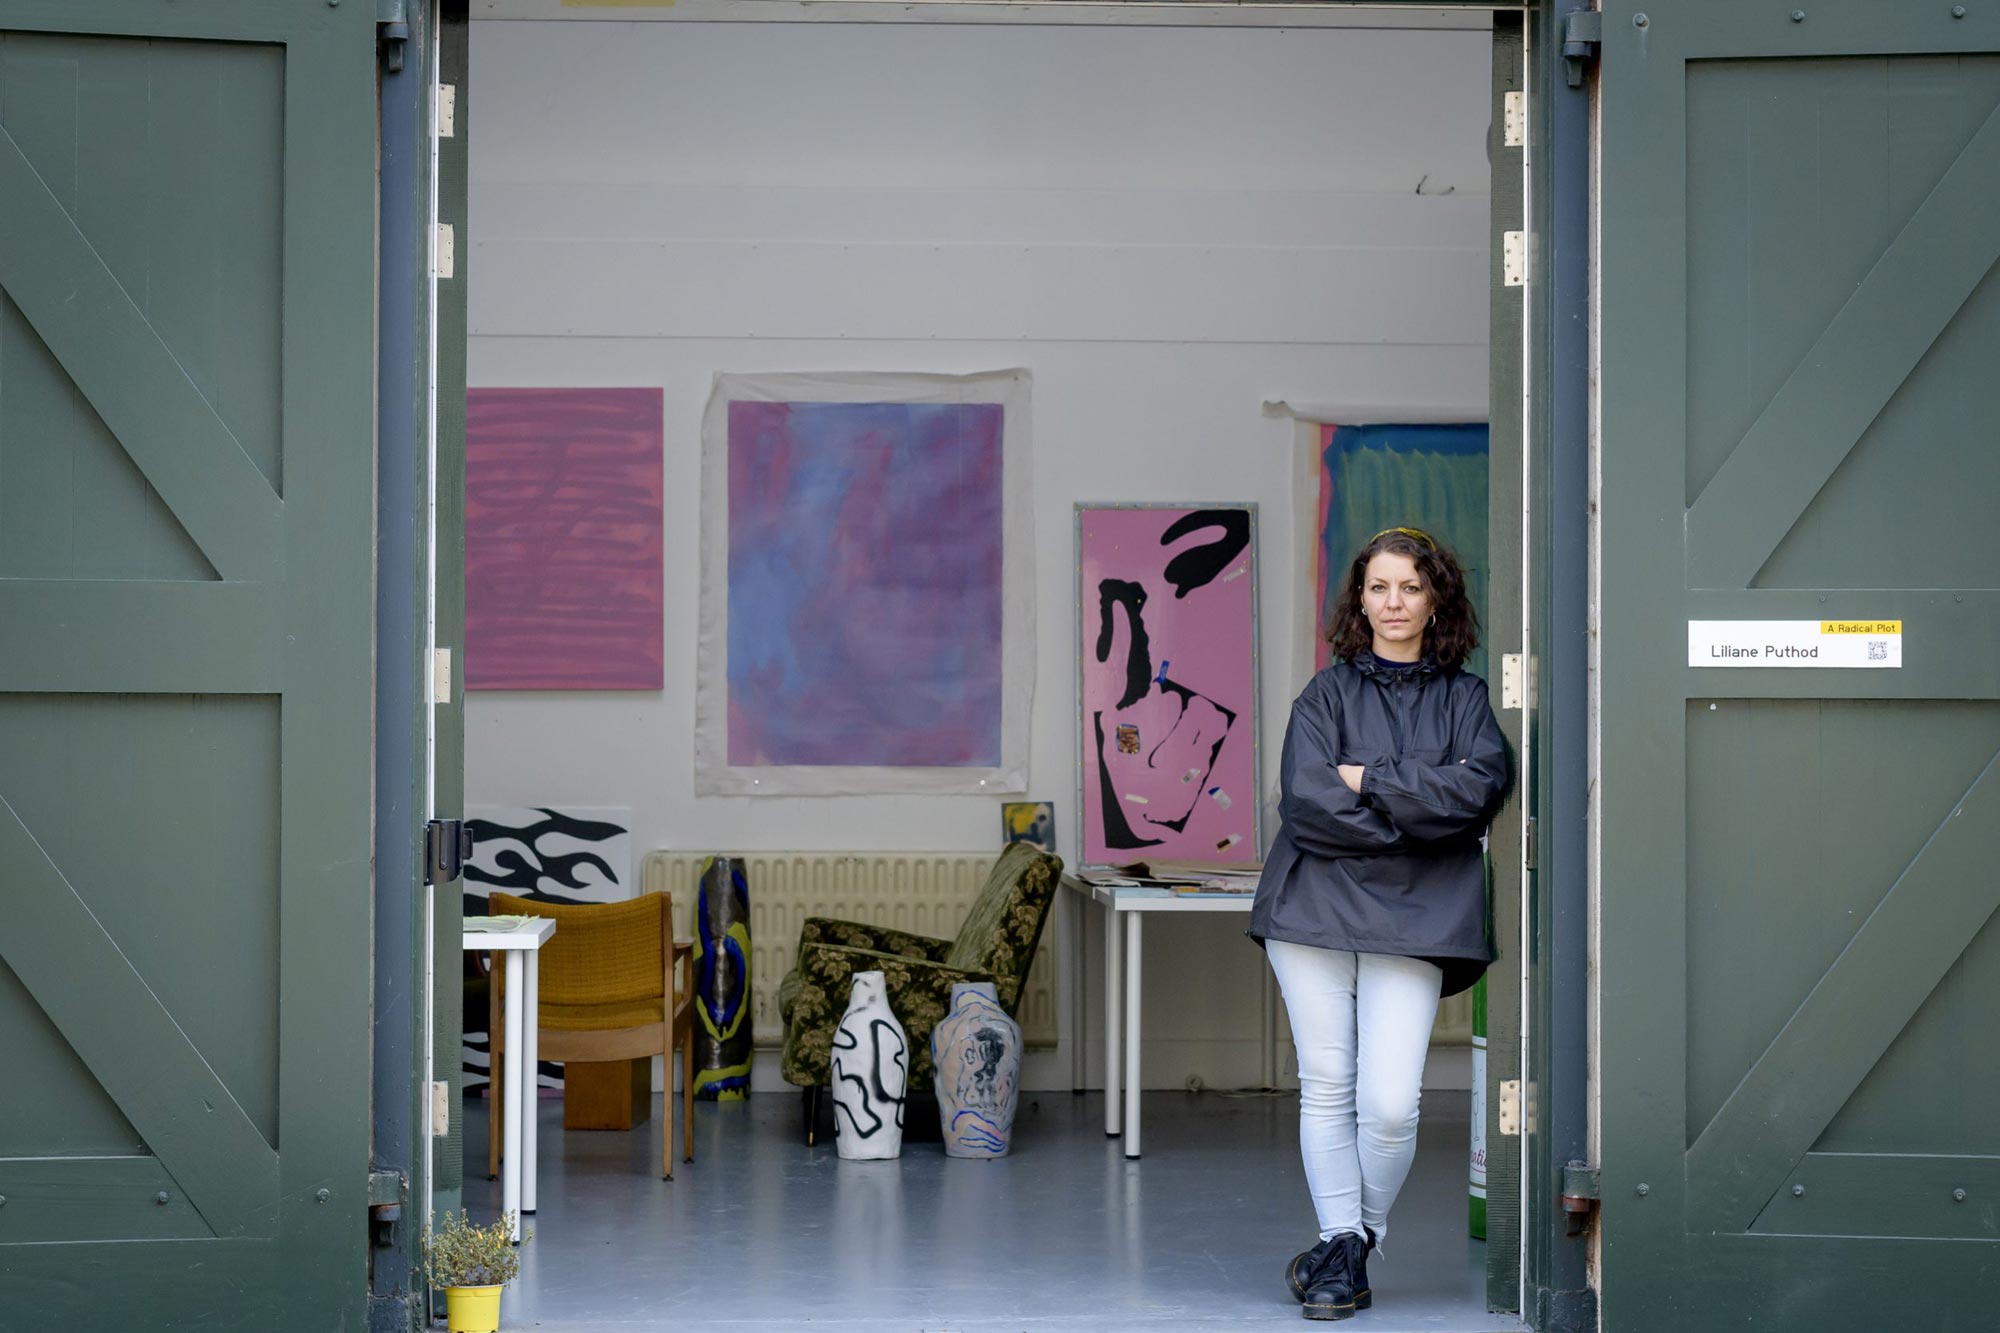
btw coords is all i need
(1398, 868)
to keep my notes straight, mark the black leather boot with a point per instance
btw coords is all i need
(1358, 1262)
(1330, 1288)
(1299, 1271)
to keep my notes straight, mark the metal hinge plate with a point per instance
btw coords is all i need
(447, 111)
(447, 250)
(447, 847)
(1509, 1110)
(440, 1109)
(1512, 692)
(1528, 844)
(1514, 119)
(1514, 258)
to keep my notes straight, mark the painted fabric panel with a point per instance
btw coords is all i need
(867, 577)
(563, 539)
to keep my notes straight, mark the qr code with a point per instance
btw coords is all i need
(1878, 650)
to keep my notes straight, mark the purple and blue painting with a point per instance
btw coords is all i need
(865, 584)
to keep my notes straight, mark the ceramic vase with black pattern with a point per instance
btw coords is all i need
(977, 1053)
(871, 1069)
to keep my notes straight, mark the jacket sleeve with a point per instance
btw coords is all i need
(1320, 813)
(1435, 802)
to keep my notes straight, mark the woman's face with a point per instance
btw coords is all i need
(1397, 605)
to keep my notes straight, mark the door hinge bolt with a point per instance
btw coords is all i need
(323, 1196)
(1957, 1196)
(161, 1198)
(1644, 1189)
(1798, 1191)
(1582, 32)
(1579, 1194)
(1640, 20)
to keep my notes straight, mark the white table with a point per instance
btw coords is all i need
(522, 949)
(1123, 970)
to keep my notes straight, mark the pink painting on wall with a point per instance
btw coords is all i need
(1168, 690)
(563, 539)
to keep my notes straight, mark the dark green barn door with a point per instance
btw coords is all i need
(1800, 215)
(186, 510)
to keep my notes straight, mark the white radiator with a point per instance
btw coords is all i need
(925, 893)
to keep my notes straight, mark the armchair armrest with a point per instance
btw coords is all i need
(879, 939)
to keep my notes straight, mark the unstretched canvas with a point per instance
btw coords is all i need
(866, 622)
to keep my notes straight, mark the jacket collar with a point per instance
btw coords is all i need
(1367, 664)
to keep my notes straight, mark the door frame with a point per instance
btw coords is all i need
(1554, 1010)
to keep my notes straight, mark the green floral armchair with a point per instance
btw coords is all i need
(997, 944)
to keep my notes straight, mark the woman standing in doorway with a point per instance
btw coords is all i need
(1372, 904)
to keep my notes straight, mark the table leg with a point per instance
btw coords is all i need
(1133, 921)
(531, 1079)
(1113, 1020)
(1069, 977)
(510, 1152)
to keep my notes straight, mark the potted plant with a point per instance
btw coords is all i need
(472, 1264)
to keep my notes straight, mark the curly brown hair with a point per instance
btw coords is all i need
(1454, 629)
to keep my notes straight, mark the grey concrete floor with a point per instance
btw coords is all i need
(762, 1232)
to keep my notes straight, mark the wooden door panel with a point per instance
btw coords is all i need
(187, 360)
(1797, 254)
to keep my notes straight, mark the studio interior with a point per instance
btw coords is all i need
(908, 465)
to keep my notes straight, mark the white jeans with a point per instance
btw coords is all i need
(1362, 1025)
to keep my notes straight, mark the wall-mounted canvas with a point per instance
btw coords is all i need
(569, 855)
(867, 604)
(563, 539)
(1432, 477)
(1167, 596)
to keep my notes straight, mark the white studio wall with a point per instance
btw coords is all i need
(1167, 227)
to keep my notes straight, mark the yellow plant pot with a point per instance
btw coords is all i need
(472, 1309)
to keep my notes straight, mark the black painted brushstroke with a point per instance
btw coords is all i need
(1198, 566)
(1112, 593)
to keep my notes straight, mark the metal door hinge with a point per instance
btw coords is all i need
(1579, 1195)
(386, 1191)
(1514, 259)
(1513, 687)
(447, 250)
(1514, 119)
(447, 847)
(440, 1109)
(447, 111)
(392, 30)
(1583, 33)
(1528, 845)
(1509, 1110)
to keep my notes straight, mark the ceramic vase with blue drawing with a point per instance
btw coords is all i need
(871, 1068)
(977, 1053)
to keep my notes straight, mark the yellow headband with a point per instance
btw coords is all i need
(1414, 534)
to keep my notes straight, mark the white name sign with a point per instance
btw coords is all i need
(1795, 643)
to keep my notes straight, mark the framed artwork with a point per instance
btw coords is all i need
(563, 539)
(867, 605)
(1167, 683)
(1031, 822)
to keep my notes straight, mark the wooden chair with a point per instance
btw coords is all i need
(607, 992)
